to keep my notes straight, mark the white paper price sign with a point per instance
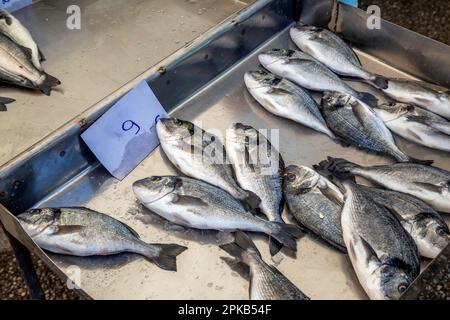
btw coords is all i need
(13, 5)
(126, 134)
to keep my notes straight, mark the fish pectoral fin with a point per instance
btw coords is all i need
(429, 187)
(41, 56)
(189, 201)
(415, 135)
(371, 255)
(67, 229)
(27, 51)
(277, 91)
(133, 232)
(359, 110)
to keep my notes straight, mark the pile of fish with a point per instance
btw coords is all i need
(20, 59)
(243, 185)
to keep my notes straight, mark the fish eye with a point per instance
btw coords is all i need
(155, 179)
(35, 211)
(402, 288)
(291, 177)
(178, 122)
(441, 232)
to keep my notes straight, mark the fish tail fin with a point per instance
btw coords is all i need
(340, 168)
(167, 257)
(368, 99)
(286, 234)
(252, 200)
(241, 244)
(380, 82)
(274, 246)
(49, 83)
(4, 102)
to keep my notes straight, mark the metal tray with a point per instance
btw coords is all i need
(204, 83)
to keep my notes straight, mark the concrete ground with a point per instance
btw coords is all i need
(431, 18)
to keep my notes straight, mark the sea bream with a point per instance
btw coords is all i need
(258, 166)
(427, 183)
(416, 124)
(17, 68)
(316, 203)
(332, 51)
(309, 73)
(283, 98)
(201, 155)
(357, 124)
(428, 96)
(266, 282)
(422, 222)
(11, 27)
(83, 232)
(199, 205)
(383, 254)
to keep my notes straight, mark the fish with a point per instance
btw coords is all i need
(11, 27)
(5, 101)
(384, 256)
(84, 232)
(326, 47)
(357, 124)
(196, 204)
(308, 73)
(201, 155)
(283, 98)
(421, 221)
(430, 184)
(16, 68)
(258, 166)
(416, 124)
(316, 203)
(422, 94)
(266, 282)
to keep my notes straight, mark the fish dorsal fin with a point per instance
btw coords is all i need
(6, 16)
(186, 200)
(67, 229)
(429, 187)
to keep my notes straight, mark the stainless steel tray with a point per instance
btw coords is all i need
(203, 83)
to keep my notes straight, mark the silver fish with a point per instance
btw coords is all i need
(16, 68)
(316, 203)
(427, 183)
(430, 97)
(422, 222)
(200, 155)
(309, 73)
(357, 124)
(17, 32)
(332, 51)
(416, 124)
(84, 232)
(285, 99)
(266, 282)
(258, 166)
(199, 205)
(383, 254)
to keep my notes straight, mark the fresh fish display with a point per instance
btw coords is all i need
(84, 232)
(3, 102)
(285, 99)
(200, 155)
(196, 204)
(16, 31)
(422, 222)
(266, 282)
(17, 68)
(357, 124)
(309, 73)
(416, 124)
(332, 51)
(427, 183)
(258, 166)
(383, 254)
(430, 97)
(315, 203)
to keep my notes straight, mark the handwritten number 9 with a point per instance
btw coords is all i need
(129, 125)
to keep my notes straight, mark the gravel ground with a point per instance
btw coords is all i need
(431, 18)
(12, 286)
